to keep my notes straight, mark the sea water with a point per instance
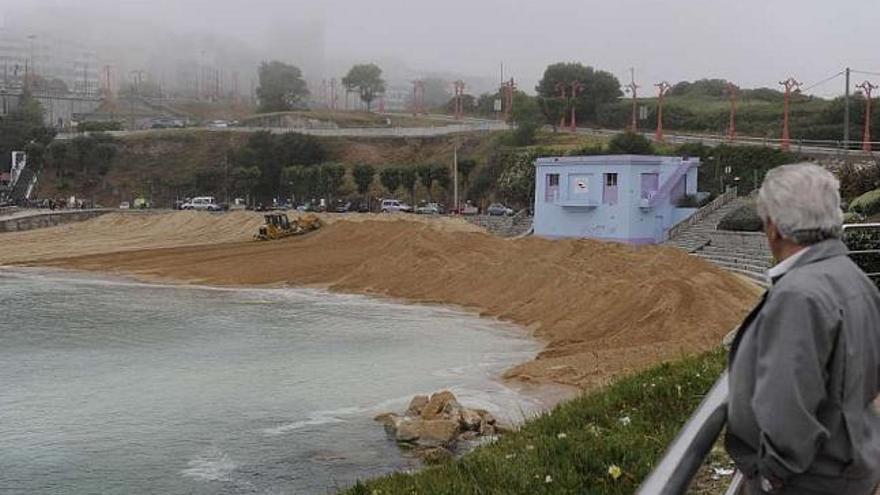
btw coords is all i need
(115, 387)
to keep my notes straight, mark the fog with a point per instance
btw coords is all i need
(751, 42)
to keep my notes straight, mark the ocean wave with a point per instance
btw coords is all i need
(215, 465)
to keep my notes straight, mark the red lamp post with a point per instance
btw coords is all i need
(662, 88)
(790, 85)
(632, 87)
(732, 90)
(867, 88)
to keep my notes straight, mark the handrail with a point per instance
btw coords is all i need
(686, 453)
(703, 212)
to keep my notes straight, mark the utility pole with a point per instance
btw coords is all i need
(455, 177)
(459, 94)
(790, 85)
(867, 88)
(846, 113)
(662, 88)
(732, 90)
(632, 87)
(576, 88)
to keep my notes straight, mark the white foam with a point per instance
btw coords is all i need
(213, 466)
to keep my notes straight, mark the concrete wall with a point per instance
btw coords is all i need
(58, 110)
(43, 220)
(577, 211)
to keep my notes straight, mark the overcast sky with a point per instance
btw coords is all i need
(751, 42)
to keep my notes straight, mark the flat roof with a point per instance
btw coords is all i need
(615, 160)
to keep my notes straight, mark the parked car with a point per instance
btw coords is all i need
(363, 207)
(125, 205)
(342, 206)
(218, 124)
(394, 206)
(202, 203)
(499, 210)
(430, 209)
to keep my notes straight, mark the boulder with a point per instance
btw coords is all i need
(437, 431)
(416, 405)
(389, 420)
(439, 402)
(487, 416)
(408, 430)
(470, 420)
(487, 430)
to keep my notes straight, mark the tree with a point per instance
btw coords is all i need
(441, 176)
(597, 87)
(527, 116)
(22, 126)
(465, 167)
(245, 180)
(363, 177)
(330, 178)
(408, 180)
(426, 178)
(390, 179)
(282, 87)
(366, 80)
(436, 91)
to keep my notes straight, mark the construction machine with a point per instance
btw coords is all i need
(278, 226)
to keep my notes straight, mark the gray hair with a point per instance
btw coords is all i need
(803, 201)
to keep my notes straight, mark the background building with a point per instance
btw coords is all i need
(624, 198)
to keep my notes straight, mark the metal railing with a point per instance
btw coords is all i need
(863, 239)
(703, 212)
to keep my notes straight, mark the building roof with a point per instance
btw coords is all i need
(616, 160)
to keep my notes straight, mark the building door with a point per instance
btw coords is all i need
(609, 193)
(650, 185)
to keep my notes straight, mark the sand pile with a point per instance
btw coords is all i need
(602, 308)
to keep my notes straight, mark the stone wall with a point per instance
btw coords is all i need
(751, 241)
(503, 226)
(43, 220)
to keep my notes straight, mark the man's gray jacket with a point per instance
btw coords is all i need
(804, 372)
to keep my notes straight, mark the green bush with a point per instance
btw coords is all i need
(867, 204)
(629, 143)
(743, 219)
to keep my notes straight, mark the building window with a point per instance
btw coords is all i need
(551, 188)
(650, 185)
(609, 192)
(578, 186)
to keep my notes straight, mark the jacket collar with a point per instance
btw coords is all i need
(823, 250)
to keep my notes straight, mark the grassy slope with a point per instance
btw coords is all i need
(540, 459)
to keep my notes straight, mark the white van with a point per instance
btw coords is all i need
(204, 203)
(393, 205)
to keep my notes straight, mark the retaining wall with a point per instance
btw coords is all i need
(43, 220)
(503, 226)
(753, 241)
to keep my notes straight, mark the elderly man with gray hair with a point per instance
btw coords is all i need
(805, 364)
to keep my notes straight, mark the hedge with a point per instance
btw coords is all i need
(743, 219)
(867, 204)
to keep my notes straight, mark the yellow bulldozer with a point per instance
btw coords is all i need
(278, 226)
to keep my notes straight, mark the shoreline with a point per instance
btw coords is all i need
(600, 310)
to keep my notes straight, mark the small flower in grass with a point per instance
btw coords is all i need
(679, 390)
(614, 471)
(548, 479)
(510, 456)
(594, 430)
(530, 447)
(625, 421)
(561, 436)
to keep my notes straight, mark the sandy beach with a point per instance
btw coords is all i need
(600, 309)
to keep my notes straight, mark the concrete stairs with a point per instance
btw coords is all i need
(750, 263)
(694, 237)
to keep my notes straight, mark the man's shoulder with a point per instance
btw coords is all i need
(829, 280)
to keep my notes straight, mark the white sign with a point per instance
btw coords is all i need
(497, 104)
(643, 113)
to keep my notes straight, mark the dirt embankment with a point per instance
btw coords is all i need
(602, 308)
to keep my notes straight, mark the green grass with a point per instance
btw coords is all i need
(570, 449)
